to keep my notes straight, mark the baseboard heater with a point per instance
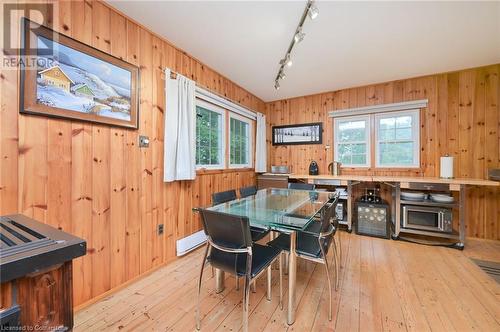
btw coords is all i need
(190, 243)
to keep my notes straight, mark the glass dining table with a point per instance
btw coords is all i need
(281, 210)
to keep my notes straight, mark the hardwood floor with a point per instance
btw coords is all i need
(385, 285)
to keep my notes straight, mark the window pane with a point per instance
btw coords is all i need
(403, 133)
(400, 153)
(352, 154)
(351, 131)
(387, 123)
(208, 137)
(239, 142)
(359, 159)
(403, 121)
(386, 134)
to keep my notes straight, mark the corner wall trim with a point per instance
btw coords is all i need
(407, 105)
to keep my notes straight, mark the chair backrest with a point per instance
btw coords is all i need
(226, 230)
(248, 191)
(328, 214)
(301, 186)
(223, 197)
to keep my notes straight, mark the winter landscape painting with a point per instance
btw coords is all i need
(307, 133)
(80, 82)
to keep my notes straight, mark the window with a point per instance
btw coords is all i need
(397, 137)
(239, 142)
(209, 136)
(214, 134)
(352, 141)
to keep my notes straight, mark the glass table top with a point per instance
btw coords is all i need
(283, 209)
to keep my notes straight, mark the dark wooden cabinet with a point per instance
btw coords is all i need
(45, 298)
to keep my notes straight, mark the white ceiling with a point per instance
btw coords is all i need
(349, 44)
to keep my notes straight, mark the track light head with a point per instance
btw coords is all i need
(286, 61)
(313, 11)
(281, 75)
(277, 85)
(299, 36)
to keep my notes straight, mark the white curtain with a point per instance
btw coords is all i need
(260, 145)
(180, 124)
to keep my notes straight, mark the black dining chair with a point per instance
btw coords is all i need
(229, 195)
(314, 242)
(230, 248)
(248, 191)
(301, 186)
(223, 197)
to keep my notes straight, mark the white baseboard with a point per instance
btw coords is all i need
(190, 243)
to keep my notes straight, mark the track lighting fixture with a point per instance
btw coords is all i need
(310, 11)
(313, 11)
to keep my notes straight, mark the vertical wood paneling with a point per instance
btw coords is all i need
(133, 173)
(118, 185)
(81, 163)
(93, 180)
(462, 119)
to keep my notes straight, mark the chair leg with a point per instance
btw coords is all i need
(336, 261)
(253, 286)
(269, 283)
(340, 249)
(246, 292)
(325, 259)
(280, 262)
(213, 271)
(198, 313)
(246, 297)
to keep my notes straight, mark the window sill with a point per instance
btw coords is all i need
(203, 171)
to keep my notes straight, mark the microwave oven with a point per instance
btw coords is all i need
(427, 218)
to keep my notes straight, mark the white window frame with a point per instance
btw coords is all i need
(336, 140)
(250, 141)
(415, 114)
(222, 152)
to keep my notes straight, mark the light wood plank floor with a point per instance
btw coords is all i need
(385, 285)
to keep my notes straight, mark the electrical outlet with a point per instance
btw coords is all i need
(160, 229)
(143, 141)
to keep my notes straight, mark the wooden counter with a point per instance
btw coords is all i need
(400, 179)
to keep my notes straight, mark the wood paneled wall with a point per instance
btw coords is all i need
(93, 180)
(462, 119)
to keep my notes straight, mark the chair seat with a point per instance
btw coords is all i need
(307, 244)
(231, 263)
(258, 233)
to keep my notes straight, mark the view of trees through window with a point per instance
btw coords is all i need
(395, 136)
(239, 136)
(396, 141)
(214, 134)
(351, 142)
(208, 137)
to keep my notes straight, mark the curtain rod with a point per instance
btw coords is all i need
(218, 99)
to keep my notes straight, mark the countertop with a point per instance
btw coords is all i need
(401, 179)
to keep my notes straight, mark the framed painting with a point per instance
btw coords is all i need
(62, 77)
(307, 133)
